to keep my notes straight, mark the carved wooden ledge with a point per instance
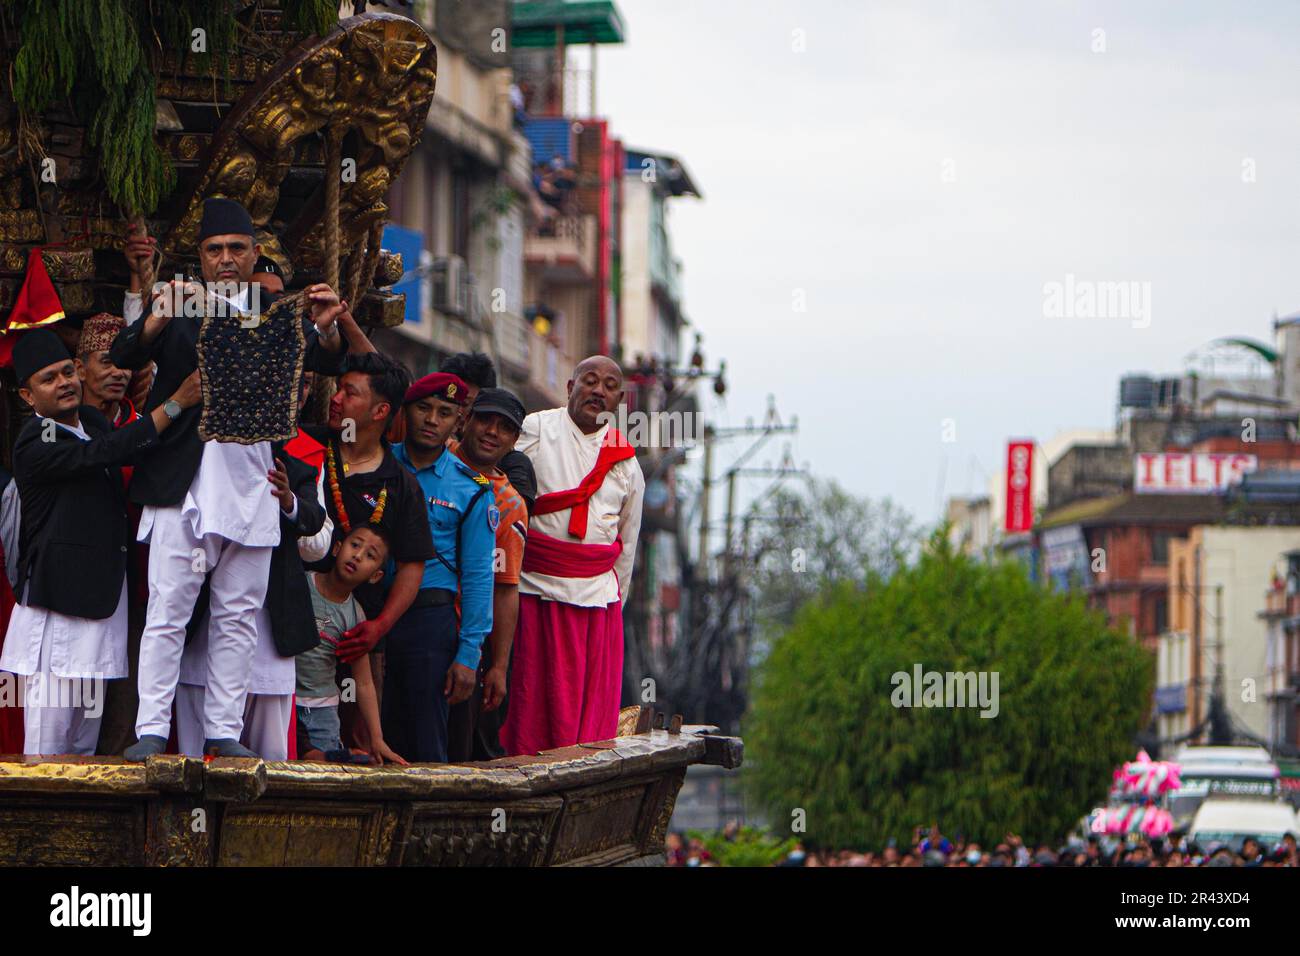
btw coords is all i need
(602, 803)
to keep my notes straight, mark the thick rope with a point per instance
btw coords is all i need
(367, 274)
(148, 274)
(356, 260)
(333, 175)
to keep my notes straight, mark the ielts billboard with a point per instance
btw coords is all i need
(1189, 473)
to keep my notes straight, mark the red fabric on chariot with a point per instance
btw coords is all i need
(566, 676)
(11, 718)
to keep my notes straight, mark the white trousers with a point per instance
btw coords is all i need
(61, 715)
(178, 562)
(266, 723)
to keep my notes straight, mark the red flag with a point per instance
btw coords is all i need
(37, 304)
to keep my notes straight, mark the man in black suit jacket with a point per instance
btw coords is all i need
(67, 634)
(208, 514)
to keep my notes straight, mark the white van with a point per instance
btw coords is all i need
(1230, 756)
(1226, 821)
(1220, 779)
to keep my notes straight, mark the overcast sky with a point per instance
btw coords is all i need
(921, 169)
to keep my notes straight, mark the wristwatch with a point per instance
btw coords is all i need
(172, 409)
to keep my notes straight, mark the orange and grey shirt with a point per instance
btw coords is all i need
(512, 530)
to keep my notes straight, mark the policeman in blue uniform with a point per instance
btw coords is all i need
(431, 663)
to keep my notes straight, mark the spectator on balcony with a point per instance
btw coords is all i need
(518, 104)
(563, 175)
(544, 183)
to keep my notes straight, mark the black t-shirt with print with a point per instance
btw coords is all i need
(405, 516)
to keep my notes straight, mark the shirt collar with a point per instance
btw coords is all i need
(453, 446)
(596, 437)
(387, 464)
(438, 466)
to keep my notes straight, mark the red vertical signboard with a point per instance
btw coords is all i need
(1020, 486)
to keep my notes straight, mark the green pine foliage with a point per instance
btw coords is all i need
(101, 58)
(824, 736)
(749, 847)
(312, 17)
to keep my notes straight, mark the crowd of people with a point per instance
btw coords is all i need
(424, 573)
(932, 848)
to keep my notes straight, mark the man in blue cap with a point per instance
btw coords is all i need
(431, 664)
(208, 506)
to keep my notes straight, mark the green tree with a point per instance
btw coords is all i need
(819, 535)
(825, 736)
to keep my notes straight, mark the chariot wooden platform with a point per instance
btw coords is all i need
(599, 804)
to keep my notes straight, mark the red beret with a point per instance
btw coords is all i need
(443, 385)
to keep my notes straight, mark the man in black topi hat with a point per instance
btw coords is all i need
(209, 507)
(67, 634)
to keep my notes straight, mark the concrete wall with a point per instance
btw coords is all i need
(1241, 560)
(1089, 471)
(638, 308)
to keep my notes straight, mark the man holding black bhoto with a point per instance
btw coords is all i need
(209, 509)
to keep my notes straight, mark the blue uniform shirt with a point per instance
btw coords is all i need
(449, 485)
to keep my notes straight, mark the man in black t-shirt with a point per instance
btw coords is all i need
(364, 483)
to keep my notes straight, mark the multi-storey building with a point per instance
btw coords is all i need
(572, 246)
(461, 206)
(1281, 616)
(652, 322)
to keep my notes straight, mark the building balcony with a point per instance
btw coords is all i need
(1275, 603)
(514, 339)
(549, 368)
(563, 249)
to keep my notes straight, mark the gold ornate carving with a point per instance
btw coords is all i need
(390, 268)
(371, 78)
(669, 786)
(180, 833)
(599, 820)
(20, 225)
(62, 264)
(474, 834)
(386, 310)
(577, 806)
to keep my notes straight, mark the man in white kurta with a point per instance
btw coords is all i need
(63, 663)
(226, 522)
(226, 527)
(568, 652)
(268, 705)
(62, 655)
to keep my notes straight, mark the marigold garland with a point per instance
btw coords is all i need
(376, 516)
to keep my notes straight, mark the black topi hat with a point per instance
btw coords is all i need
(38, 349)
(224, 217)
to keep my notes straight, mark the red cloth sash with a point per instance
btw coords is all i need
(306, 449)
(613, 449)
(12, 728)
(126, 414)
(569, 559)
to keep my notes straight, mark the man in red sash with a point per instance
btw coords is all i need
(577, 569)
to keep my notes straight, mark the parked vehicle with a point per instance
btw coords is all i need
(1228, 756)
(1230, 822)
(1202, 780)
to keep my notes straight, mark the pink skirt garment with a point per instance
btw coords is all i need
(567, 677)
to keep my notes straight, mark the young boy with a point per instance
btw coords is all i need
(358, 558)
